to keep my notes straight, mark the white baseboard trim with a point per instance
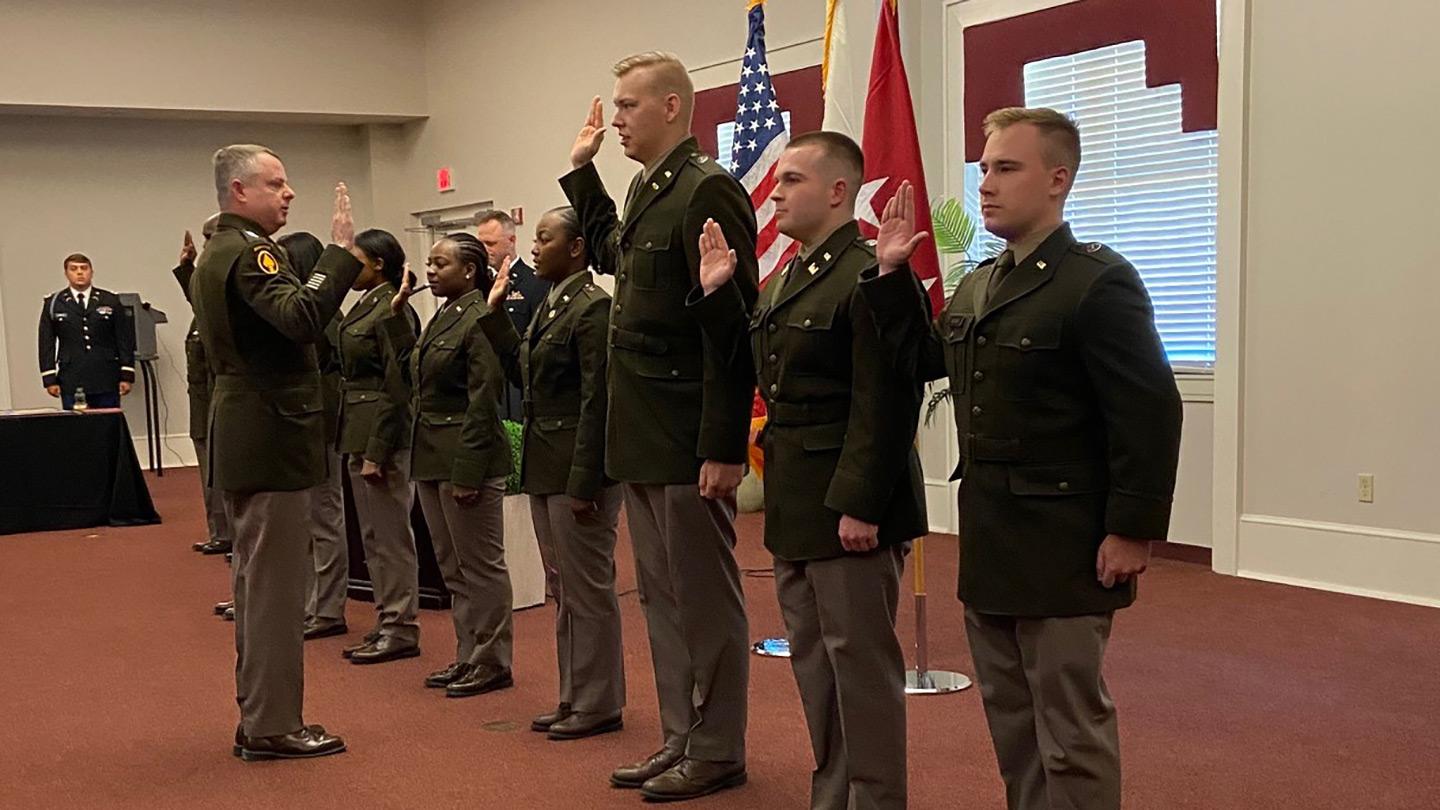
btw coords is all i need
(176, 450)
(1390, 564)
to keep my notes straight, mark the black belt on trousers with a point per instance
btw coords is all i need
(807, 413)
(984, 448)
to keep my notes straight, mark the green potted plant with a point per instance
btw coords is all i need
(522, 548)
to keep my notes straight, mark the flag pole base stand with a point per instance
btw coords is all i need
(934, 682)
(778, 647)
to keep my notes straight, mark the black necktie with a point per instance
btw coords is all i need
(1003, 266)
(81, 299)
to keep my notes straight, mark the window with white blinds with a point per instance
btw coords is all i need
(725, 140)
(1144, 188)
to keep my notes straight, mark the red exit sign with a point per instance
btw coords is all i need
(444, 179)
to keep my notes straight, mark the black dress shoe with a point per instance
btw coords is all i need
(693, 778)
(229, 614)
(215, 547)
(580, 725)
(633, 776)
(199, 545)
(229, 556)
(447, 676)
(221, 607)
(310, 741)
(388, 648)
(370, 638)
(543, 722)
(324, 628)
(482, 678)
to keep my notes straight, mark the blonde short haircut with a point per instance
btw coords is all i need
(668, 75)
(236, 162)
(1062, 136)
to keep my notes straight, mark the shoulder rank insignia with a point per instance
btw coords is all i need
(702, 158)
(266, 260)
(870, 242)
(1093, 247)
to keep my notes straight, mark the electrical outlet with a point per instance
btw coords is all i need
(1367, 488)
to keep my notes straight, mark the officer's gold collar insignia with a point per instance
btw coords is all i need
(813, 268)
(266, 260)
(1040, 264)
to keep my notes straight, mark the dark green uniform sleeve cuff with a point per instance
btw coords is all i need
(858, 497)
(500, 331)
(467, 473)
(1137, 516)
(891, 297)
(585, 484)
(581, 180)
(718, 309)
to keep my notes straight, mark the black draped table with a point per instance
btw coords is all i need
(61, 470)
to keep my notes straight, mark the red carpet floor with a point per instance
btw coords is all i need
(115, 692)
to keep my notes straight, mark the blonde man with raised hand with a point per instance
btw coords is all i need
(1069, 425)
(678, 419)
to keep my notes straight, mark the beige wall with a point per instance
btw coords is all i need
(1336, 298)
(509, 86)
(350, 57)
(123, 192)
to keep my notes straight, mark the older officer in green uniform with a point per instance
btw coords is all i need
(460, 458)
(1069, 425)
(374, 436)
(679, 419)
(559, 365)
(845, 490)
(267, 442)
(198, 382)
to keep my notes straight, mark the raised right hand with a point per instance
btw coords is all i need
(897, 240)
(188, 253)
(501, 285)
(407, 289)
(587, 143)
(717, 260)
(342, 225)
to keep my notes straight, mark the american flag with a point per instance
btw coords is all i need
(760, 137)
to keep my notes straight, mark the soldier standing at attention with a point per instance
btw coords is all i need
(87, 341)
(375, 438)
(679, 418)
(329, 572)
(846, 493)
(460, 456)
(1069, 425)
(267, 434)
(527, 291)
(198, 383)
(560, 366)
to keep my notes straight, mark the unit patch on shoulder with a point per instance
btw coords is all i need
(266, 260)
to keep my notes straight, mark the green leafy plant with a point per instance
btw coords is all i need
(955, 233)
(516, 433)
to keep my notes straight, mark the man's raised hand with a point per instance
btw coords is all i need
(501, 285)
(587, 143)
(717, 260)
(897, 239)
(188, 253)
(342, 225)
